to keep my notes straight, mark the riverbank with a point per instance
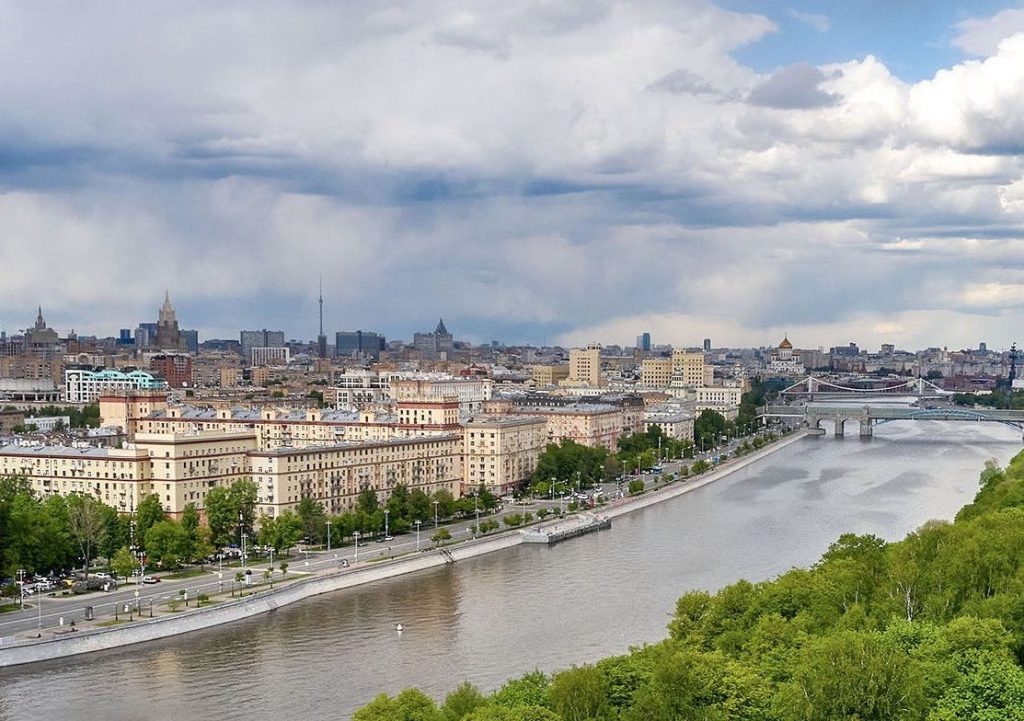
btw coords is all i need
(96, 639)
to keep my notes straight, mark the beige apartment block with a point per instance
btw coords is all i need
(184, 467)
(656, 372)
(335, 475)
(501, 453)
(719, 396)
(688, 369)
(544, 376)
(120, 478)
(585, 366)
(230, 377)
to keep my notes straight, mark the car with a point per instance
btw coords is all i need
(150, 579)
(47, 585)
(103, 576)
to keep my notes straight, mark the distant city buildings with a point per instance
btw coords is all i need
(437, 344)
(250, 339)
(358, 344)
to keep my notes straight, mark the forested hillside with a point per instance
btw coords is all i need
(927, 629)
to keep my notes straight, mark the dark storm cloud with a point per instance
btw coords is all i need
(794, 87)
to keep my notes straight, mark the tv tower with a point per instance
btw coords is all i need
(321, 340)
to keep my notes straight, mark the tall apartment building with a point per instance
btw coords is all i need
(501, 453)
(176, 369)
(689, 369)
(250, 339)
(585, 366)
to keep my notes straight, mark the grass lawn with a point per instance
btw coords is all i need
(113, 622)
(8, 607)
(184, 574)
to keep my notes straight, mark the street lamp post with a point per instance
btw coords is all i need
(435, 515)
(356, 536)
(244, 536)
(328, 535)
(21, 577)
(476, 511)
(387, 511)
(418, 536)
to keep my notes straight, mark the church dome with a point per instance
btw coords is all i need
(786, 344)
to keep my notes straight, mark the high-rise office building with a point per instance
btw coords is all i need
(707, 345)
(358, 343)
(643, 342)
(260, 339)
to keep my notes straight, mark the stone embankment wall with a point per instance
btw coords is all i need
(72, 644)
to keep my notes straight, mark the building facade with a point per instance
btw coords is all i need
(82, 385)
(501, 453)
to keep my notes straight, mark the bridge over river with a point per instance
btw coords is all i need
(869, 415)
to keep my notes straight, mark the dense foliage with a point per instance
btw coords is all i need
(927, 629)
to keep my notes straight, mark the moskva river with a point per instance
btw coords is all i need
(501, 615)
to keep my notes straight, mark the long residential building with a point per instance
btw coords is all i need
(182, 469)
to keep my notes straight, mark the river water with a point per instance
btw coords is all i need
(500, 615)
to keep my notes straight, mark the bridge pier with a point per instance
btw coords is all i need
(840, 427)
(866, 429)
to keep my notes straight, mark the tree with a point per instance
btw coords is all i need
(281, 532)
(221, 516)
(852, 674)
(442, 535)
(708, 427)
(367, 501)
(462, 701)
(445, 503)
(190, 522)
(123, 563)
(579, 695)
(86, 524)
(231, 511)
(149, 512)
(312, 518)
(410, 705)
(167, 543)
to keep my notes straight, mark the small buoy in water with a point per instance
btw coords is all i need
(399, 628)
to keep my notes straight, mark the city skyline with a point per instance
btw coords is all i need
(540, 173)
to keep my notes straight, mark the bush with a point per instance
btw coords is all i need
(543, 513)
(528, 517)
(636, 487)
(89, 584)
(512, 520)
(201, 599)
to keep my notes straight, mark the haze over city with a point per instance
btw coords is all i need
(535, 172)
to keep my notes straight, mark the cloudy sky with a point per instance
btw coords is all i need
(542, 170)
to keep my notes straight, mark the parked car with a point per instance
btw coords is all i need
(150, 579)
